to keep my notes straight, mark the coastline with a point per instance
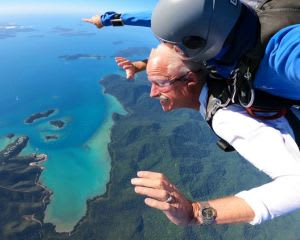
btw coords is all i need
(117, 109)
(119, 201)
(110, 191)
(97, 148)
(104, 196)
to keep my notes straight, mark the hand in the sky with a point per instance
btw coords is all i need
(163, 195)
(96, 20)
(128, 67)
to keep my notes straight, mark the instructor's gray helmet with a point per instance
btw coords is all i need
(198, 27)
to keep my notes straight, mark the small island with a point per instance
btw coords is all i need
(51, 137)
(81, 56)
(57, 123)
(10, 135)
(39, 115)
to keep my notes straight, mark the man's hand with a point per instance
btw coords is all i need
(128, 67)
(96, 20)
(163, 195)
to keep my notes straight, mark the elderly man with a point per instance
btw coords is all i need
(267, 144)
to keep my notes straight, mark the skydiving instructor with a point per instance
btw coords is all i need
(219, 44)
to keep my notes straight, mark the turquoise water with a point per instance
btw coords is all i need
(33, 78)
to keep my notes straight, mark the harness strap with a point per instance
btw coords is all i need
(254, 112)
(225, 146)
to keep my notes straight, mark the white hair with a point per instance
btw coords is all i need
(171, 57)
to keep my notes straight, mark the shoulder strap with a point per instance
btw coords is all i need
(218, 97)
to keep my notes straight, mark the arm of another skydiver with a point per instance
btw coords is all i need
(142, 19)
(279, 71)
(131, 68)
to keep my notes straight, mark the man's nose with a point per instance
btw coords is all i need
(154, 90)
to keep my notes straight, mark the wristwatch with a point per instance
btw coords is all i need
(116, 20)
(205, 214)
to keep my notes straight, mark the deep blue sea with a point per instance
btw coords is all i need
(56, 62)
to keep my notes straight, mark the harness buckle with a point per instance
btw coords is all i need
(248, 75)
(233, 86)
(214, 104)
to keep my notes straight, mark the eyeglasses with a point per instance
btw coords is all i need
(167, 83)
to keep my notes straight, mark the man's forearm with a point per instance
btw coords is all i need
(228, 210)
(270, 147)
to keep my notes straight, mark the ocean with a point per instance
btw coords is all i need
(56, 64)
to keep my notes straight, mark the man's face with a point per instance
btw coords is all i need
(172, 91)
(171, 81)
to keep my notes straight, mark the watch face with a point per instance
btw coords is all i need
(208, 213)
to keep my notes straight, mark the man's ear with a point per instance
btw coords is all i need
(192, 80)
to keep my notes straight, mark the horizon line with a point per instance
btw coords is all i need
(44, 8)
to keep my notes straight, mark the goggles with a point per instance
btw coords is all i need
(190, 46)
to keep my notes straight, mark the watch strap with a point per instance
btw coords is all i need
(116, 20)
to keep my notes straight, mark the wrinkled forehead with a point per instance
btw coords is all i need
(160, 69)
(155, 78)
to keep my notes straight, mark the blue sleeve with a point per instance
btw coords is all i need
(279, 71)
(142, 19)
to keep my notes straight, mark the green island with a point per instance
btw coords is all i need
(182, 147)
(57, 123)
(36, 116)
(23, 199)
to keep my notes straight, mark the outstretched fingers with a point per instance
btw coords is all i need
(158, 194)
(123, 61)
(155, 183)
(161, 194)
(148, 174)
(96, 20)
(163, 206)
(127, 66)
(88, 20)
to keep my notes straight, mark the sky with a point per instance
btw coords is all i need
(75, 6)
